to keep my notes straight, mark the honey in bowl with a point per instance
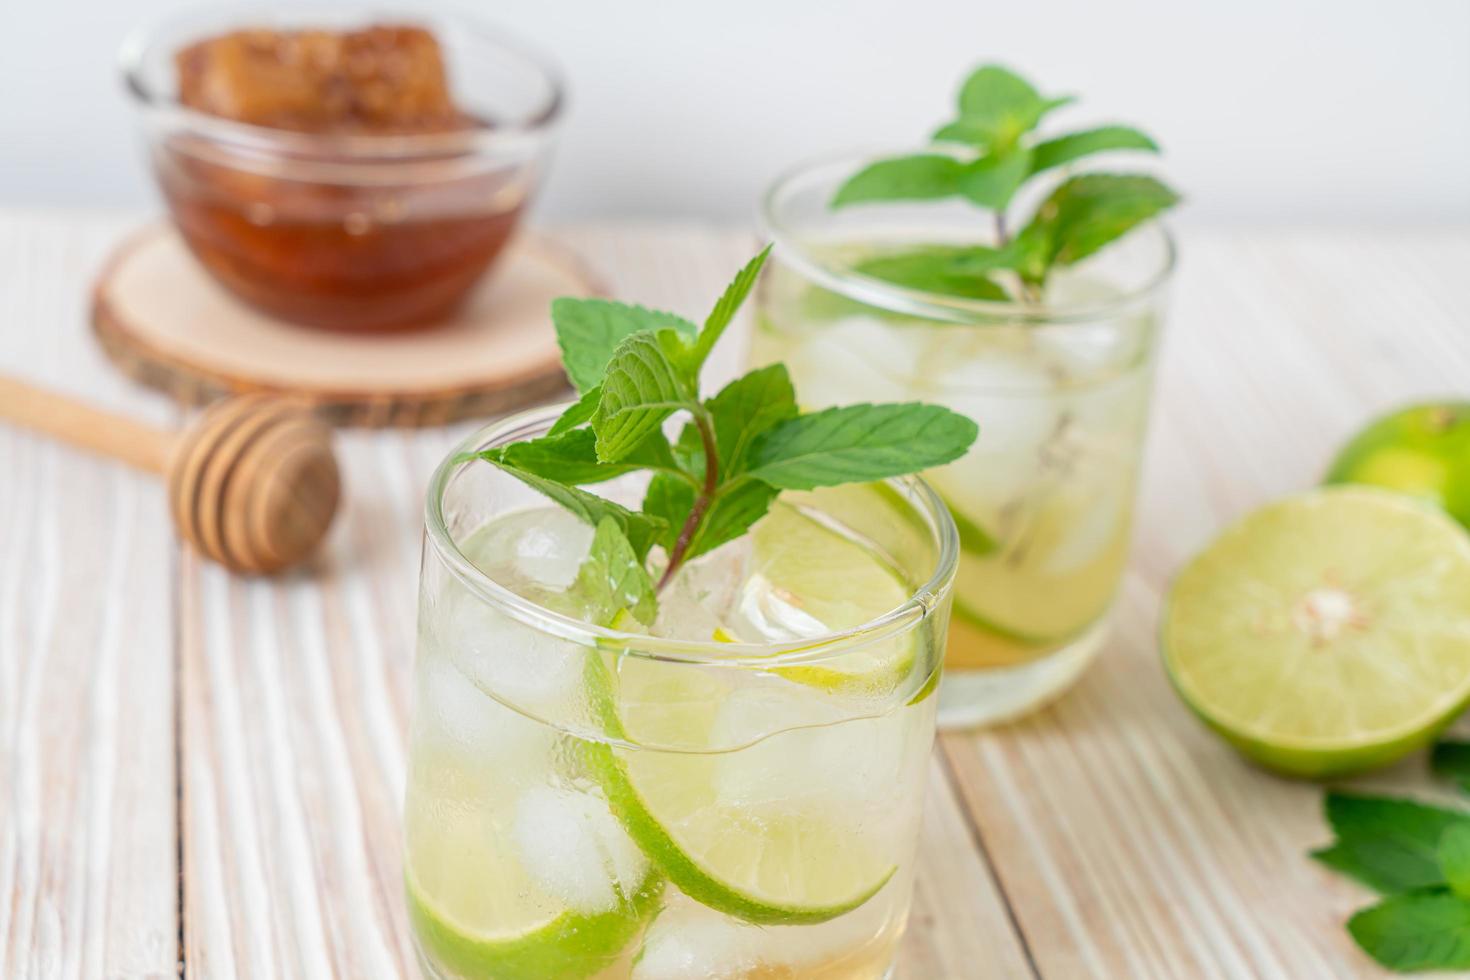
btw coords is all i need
(329, 178)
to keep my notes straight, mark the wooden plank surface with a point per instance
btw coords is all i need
(1106, 836)
(88, 841)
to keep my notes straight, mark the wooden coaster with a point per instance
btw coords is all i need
(166, 323)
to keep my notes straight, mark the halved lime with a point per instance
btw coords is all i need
(1423, 451)
(1327, 633)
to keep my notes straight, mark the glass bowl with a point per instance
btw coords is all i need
(356, 232)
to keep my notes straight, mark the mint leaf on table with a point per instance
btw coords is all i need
(1063, 150)
(1454, 859)
(916, 178)
(590, 330)
(1416, 931)
(1451, 760)
(859, 443)
(612, 578)
(1390, 845)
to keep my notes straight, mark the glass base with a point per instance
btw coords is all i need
(970, 698)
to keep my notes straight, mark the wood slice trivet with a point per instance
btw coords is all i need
(163, 321)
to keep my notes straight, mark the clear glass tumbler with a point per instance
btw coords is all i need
(1060, 389)
(595, 802)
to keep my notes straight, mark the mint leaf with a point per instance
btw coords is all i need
(590, 330)
(641, 530)
(1085, 213)
(1417, 931)
(859, 443)
(943, 270)
(1454, 859)
(612, 578)
(916, 178)
(1390, 845)
(580, 412)
(647, 380)
(733, 512)
(1451, 760)
(993, 180)
(1062, 150)
(1000, 106)
(571, 457)
(746, 408)
(727, 306)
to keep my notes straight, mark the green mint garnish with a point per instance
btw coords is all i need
(1001, 154)
(1391, 845)
(1418, 857)
(1451, 760)
(635, 369)
(1416, 931)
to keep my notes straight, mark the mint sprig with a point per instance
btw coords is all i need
(999, 152)
(637, 368)
(1418, 857)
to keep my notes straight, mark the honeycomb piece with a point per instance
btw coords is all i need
(381, 79)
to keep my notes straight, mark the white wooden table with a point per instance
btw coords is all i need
(201, 772)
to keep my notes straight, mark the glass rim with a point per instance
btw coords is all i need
(381, 148)
(920, 603)
(929, 305)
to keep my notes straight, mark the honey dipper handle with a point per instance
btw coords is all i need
(82, 425)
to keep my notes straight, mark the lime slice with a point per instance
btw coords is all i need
(480, 907)
(809, 572)
(1327, 633)
(1423, 451)
(767, 861)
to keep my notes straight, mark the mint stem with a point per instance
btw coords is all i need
(702, 501)
(1002, 236)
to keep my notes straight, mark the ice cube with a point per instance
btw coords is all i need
(527, 550)
(573, 847)
(853, 769)
(690, 942)
(520, 664)
(858, 359)
(699, 600)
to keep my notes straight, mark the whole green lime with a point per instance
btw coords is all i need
(1423, 451)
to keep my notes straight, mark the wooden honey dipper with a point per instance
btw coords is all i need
(252, 483)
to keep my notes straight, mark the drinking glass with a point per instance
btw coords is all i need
(589, 801)
(1060, 389)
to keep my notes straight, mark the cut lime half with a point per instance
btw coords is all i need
(1327, 633)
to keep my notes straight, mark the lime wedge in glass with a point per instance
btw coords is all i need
(814, 580)
(546, 888)
(719, 824)
(1327, 633)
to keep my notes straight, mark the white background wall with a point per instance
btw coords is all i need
(1270, 110)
